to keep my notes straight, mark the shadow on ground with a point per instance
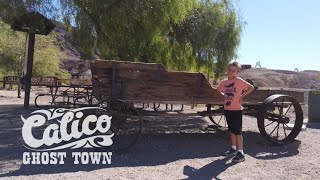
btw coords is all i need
(208, 171)
(154, 148)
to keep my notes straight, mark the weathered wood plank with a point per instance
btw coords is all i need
(126, 65)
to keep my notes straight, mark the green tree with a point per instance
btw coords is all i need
(213, 31)
(46, 56)
(181, 34)
(129, 29)
(11, 50)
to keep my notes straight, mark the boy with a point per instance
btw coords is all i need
(234, 90)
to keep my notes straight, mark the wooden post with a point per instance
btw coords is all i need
(32, 23)
(31, 41)
(19, 77)
(113, 80)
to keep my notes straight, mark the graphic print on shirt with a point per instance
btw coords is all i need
(230, 85)
(229, 92)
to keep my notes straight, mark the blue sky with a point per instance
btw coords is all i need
(281, 34)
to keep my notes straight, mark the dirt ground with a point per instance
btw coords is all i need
(170, 148)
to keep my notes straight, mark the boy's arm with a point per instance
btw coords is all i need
(220, 88)
(249, 90)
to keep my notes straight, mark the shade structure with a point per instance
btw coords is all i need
(33, 22)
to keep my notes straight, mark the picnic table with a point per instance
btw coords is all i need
(66, 95)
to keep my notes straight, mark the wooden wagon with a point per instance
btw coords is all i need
(120, 86)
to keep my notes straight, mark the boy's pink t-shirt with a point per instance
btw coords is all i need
(232, 90)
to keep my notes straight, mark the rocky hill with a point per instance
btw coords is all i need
(71, 60)
(262, 77)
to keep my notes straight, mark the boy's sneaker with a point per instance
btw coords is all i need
(231, 152)
(239, 157)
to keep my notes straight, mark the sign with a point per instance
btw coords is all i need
(314, 106)
(64, 129)
(10, 80)
(35, 81)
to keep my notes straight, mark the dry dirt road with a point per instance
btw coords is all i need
(171, 148)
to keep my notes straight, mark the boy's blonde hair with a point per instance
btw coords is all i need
(236, 64)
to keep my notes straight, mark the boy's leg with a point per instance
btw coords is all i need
(240, 154)
(238, 128)
(233, 139)
(233, 148)
(239, 142)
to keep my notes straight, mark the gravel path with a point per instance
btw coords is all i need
(171, 148)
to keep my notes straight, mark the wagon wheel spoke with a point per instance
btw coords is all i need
(224, 119)
(287, 110)
(220, 119)
(287, 126)
(284, 130)
(215, 123)
(269, 124)
(273, 130)
(278, 130)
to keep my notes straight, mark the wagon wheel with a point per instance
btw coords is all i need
(40, 103)
(93, 101)
(126, 124)
(280, 119)
(80, 101)
(219, 120)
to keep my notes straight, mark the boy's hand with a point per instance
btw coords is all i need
(248, 91)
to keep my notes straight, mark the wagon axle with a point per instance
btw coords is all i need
(278, 118)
